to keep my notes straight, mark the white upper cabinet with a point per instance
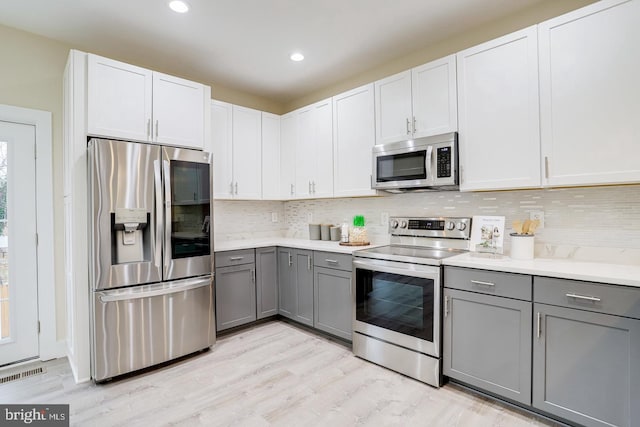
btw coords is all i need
(222, 142)
(119, 99)
(247, 153)
(353, 139)
(288, 138)
(590, 95)
(314, 151)
(178, 113)
(132, 103)
(418, 102)
(270, 156)
(499, 140)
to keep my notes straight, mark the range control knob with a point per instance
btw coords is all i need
(393, 223)
(403, 224)
(451, 225)
(461, 226)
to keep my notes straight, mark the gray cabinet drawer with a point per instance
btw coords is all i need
(598, 297)
(332, 260)
(242, 256)
(507, 285)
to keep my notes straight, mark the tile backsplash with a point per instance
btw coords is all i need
(590, 216)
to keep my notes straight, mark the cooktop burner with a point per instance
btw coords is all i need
(413, 254)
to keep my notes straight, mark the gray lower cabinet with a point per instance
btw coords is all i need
(487, 343)
(235, 295)
(295, 284)
(586, 365)
(333, 301)
(266, 282)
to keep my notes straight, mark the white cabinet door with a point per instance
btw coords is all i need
(434, 96)
(270, 156)
(222, 142)
(590, 96)
(305, 152)
(178, 111)
(288, 137)
(393, 108)
(118, 99)
(322, 183)
(353, 139)
(247, 153)
(499, 141)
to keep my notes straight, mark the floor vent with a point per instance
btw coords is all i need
(19, 375)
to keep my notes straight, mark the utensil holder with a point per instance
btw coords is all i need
(314, 231)
(522, 246)
(325, 233)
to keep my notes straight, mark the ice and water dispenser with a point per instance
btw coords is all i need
(130, 235)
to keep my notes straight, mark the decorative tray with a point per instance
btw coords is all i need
(355, 243)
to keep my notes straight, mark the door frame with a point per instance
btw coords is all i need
(49, 346)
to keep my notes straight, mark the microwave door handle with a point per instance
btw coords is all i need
(167, 217)
(428, 161)
(157, 176)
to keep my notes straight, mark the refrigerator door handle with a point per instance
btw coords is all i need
(167, 217)
(158, 290)
(158, 214)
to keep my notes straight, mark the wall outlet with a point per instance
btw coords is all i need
(310, 217)
(539, 215)
(274, 216)
(384, 218)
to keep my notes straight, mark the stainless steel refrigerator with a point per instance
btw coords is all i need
(151, 243)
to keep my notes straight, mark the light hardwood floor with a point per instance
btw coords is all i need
(271, 374)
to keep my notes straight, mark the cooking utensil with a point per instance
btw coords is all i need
(517, 226)
(525, 227)
(533, 226)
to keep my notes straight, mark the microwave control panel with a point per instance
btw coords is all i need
(443, 158)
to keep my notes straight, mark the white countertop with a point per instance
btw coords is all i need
(314, 245)
(617, 274)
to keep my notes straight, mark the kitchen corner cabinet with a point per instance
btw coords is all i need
(295, 284)
(270, 157)
(235, 288)
(288, 138)
(314, 151)
(498, 108)
(333, 300)
(586, 352)
(353, 139)
(418, 102)
(589, 97)
(487, 331)
(266, 282)
(237, 151)
(133, 103)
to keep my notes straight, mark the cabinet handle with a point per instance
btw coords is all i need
(309, 263)
(546, 167)
(253, 276)
(236, 188)
(290, 260)
(157, 130)
(414, 124)
(408, 130)
(149, 129)
(583, 297)
(236, 258)
(314, 187)
(292, 189)
(309, 187)
(331, 261)
(231, 187)
(446, 306)
(539, 326)
(478, 282)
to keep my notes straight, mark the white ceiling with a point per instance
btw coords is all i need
(245, 44)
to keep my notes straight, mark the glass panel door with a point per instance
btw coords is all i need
(402, 167)
(400, 303)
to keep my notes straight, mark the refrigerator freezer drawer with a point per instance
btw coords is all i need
(142, 326)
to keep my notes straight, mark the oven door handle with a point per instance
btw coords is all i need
(428, 161)
(416, 270)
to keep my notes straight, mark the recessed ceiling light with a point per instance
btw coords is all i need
(297, 56)
(179, 6)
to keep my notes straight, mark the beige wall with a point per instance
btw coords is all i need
(533, 15)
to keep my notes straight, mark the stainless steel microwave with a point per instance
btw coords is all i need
(420, 164)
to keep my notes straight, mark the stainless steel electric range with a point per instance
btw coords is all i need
(398, 292)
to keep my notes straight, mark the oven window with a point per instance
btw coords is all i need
(400, 303)
(402, 167)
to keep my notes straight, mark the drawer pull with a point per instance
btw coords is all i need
(236, 258)
(331, 261)
(586, 298)
(478, 282)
